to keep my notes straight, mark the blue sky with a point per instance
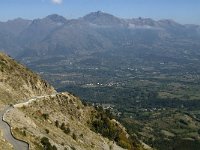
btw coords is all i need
(183, 11)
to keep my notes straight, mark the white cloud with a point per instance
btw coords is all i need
(57, 1)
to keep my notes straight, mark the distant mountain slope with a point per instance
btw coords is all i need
(101, 18)
(15, 26)
(18, 83)
(94, 33)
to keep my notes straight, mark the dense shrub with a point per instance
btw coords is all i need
(47, 145)
(74, 136)
(62, 127)
(45, 116)
(47, 131)
(57, 123)
(102, 123)
(67, 130)
(73, 148)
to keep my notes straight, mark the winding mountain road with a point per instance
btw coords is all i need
(6, 128)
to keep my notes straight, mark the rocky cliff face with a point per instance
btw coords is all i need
(18, 83)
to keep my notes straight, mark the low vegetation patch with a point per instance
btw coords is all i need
(47, 145)
(103, 124)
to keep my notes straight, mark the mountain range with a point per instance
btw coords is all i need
(95, 33)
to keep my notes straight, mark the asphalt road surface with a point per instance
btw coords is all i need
(5, 127)
(17, 144)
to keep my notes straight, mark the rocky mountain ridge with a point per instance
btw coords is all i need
(56, 35)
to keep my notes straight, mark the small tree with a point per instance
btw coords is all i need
(62, 127)
(47, 145)
(74, 136)
(199, 131)
(54, 147)
(67, 130)
(45, 116)
(57, 123)
(24, 133)
(47, 131)
(73, 148)
(45, 141)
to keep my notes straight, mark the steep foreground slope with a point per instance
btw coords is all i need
(18, 83)
(62, 118)
(46, 119)
(4, 144)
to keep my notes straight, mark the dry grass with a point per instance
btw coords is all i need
(17, 82)
(4, 145)
(41, 116)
